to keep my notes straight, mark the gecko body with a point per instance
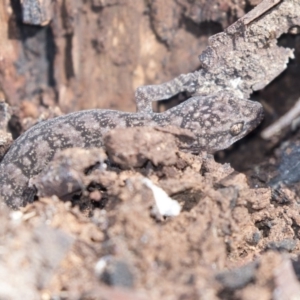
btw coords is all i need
(217, 121)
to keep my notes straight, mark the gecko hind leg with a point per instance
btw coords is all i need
(144, 95)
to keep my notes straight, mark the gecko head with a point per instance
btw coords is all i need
(221, 119)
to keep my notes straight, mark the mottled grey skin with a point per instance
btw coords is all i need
(217, 121)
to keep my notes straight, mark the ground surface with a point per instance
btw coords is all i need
(230, 241)
(237, 235)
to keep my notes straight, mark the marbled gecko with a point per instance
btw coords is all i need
(217, 121)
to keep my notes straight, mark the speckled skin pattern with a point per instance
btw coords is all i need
(216, 120)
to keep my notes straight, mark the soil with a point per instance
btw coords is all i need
(99, 233)
(233, 239)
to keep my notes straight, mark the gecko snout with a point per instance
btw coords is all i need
(259, 116)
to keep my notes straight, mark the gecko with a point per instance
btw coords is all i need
(218, 113)
(216, 121)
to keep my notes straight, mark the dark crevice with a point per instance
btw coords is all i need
(69, 69)
(290, 41)
(207, 28)
(25, 31)
(248, 6)
(163, 105)
(264, 227)
(296, 229)
(37, 55)
(68, 63)
(15, 126)
(50, 56)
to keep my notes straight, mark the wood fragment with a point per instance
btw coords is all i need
(259, 10)
(37, 12)
(283, 122)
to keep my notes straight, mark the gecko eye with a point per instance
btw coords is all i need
(236, 128)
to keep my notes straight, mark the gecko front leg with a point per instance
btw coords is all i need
(144, 95)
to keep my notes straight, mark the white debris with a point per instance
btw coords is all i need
(102, 264)
(235, 82)
(16, 215)
(164, 205)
